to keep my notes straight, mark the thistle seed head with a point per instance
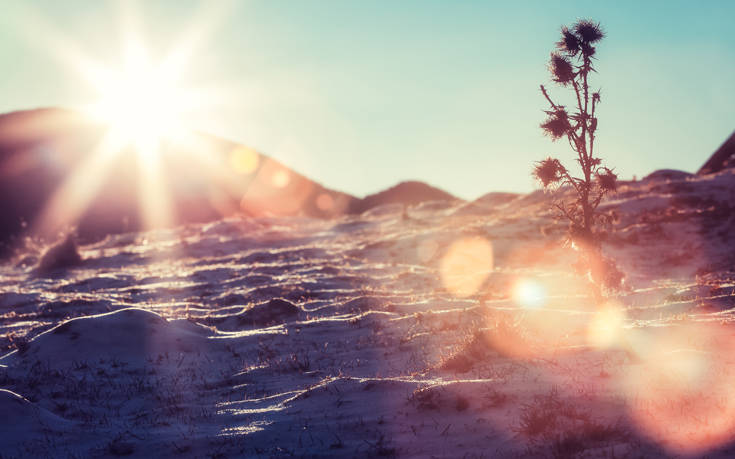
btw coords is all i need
(548, 171)
(607, 180)
(557, 124)
(561, 69)
(588, 31)
(569, 42)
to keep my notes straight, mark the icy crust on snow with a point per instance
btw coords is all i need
(350, 337)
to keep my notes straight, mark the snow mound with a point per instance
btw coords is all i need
(496, 198)
(487, 203)
(129, 337)
(275, 311)
(13, 299)
(23, 420)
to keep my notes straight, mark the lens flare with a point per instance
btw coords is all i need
(325, 202)
(244, 160)
(606, 327)
(530, 294)
(551, 322)
(681, 393)
(275, 190)
(466, 265)
(281, 178)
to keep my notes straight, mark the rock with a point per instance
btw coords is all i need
(59, 256)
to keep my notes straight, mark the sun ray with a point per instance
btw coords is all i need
(145, 103)
(153, 196)
(46, 37)
(72, 198)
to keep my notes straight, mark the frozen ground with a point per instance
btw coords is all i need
(457, 330)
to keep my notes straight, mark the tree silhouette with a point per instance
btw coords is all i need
(571, 66)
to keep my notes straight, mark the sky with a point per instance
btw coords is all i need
(362, 95)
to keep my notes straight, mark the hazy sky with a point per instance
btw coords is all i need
(362, 94)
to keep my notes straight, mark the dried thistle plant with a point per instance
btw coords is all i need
(571, 65)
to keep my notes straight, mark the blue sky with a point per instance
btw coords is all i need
(360, 95)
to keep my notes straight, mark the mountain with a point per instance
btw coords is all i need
(406, 193)
(722, 158)
(667, 174)
(56, 172)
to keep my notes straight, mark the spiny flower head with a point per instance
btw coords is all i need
(548, 171)
(607, 180)
(557, 124)
(561, 69)
(588, 31)
(569, 42)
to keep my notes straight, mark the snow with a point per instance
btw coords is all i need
(273, 337)
(25, 422)
(128, 337)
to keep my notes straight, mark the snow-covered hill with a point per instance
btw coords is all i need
(457, 330)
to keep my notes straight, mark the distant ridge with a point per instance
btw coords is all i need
(408, 193)
(722, 158)
(668, 174)
(206, 179)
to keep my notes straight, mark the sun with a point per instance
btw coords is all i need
(149, 100)
(142, 105)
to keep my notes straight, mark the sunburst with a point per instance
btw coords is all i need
(144, 103)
